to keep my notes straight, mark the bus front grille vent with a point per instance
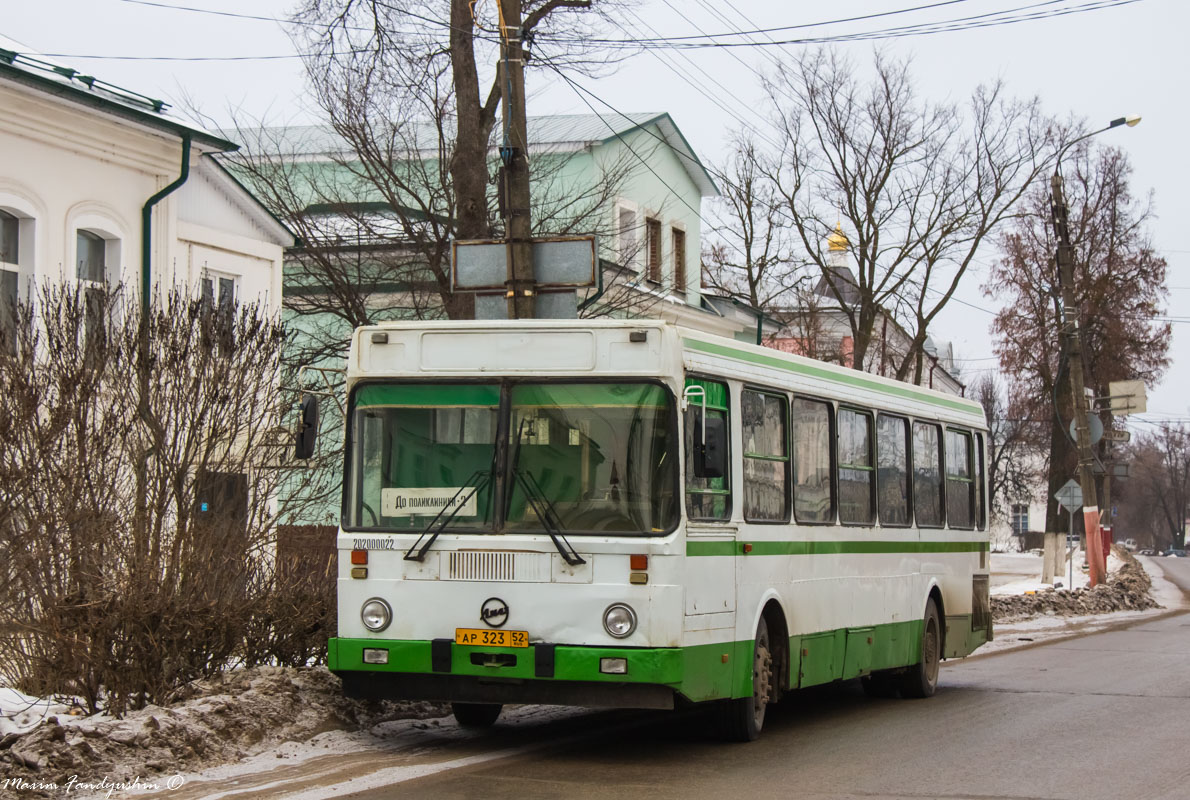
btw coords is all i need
(478, 565)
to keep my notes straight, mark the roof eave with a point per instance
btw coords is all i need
(701, 177)
(74, 94)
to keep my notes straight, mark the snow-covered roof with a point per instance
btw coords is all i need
(26, 66)
(555, 132)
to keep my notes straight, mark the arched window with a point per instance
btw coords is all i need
(10, 273)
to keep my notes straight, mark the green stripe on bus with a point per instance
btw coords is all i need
(857, 379)
(428, 396)
(699, 672)
(819, 548)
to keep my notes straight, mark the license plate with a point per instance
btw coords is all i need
(491, 638)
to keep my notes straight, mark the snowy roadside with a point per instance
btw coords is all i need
(1024, 632)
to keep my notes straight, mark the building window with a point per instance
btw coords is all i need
(766, 457)
(8, 311)
(9, 280)
(679, 245)
(706, 498)
(627, 226)
(92, 258)
(892, 469)
(1019, 519)
(653, 232)
(219, 290)
(813, 495)
(927, 475)
(857, 485)
(10, 229)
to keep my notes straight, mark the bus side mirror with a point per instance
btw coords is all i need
(307, 433)
(710, 446)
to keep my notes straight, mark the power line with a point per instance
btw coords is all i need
(972, 22)
(581, 92)
(293, 21)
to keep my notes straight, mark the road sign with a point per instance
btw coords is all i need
(559, 263)
(1117, 436)
(1127, 397)
(1070, 496)
(1094, 426)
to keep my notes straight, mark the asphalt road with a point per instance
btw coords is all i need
(1102, 716)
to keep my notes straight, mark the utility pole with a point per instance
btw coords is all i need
(1096, 558)
(514, 189)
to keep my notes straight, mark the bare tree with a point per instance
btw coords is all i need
(918, 186)
(1119, 285)
(1011, 460)
(749, 250)
(1160, 480)
(117, 586)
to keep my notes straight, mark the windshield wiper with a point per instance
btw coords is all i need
(451, 503)
(548, 516)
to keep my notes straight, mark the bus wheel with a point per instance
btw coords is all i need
(476, 715)
(921, 679)
(743, 718)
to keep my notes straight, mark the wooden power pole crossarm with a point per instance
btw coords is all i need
(514, 153)
(1096, 558)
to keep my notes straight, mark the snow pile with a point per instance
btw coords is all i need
(227, 718)
(1127, 589)
(20, 713)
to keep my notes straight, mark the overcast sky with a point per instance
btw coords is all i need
(1123, 58)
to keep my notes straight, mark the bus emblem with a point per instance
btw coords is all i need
(494, 612)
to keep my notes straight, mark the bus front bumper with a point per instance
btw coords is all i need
(442, 670)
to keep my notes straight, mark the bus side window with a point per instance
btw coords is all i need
(981, 501)
(960, 483)
(892, 469)
(813, 487)
(706, 498)
(927, 475)
(764, 420)
(857, 484)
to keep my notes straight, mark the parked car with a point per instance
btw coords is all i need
(1175, 553)
(1148, 551)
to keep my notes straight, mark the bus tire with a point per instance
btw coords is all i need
(921, 679)
(742, 718)
(476, 715)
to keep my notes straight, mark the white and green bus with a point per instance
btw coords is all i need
(632, 514)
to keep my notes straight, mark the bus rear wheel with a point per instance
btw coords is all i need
(743, 718)
(476, 715)
(921, 679)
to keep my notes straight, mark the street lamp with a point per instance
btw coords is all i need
(1096, 551)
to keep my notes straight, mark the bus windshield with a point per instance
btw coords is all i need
(585, 457)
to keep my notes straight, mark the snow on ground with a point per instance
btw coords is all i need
(20, 713)
(1023, 633)
(1018, 573)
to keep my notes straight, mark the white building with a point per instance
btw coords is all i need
(81, 161)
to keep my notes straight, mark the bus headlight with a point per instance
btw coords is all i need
(376, 614)
(619, 620)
